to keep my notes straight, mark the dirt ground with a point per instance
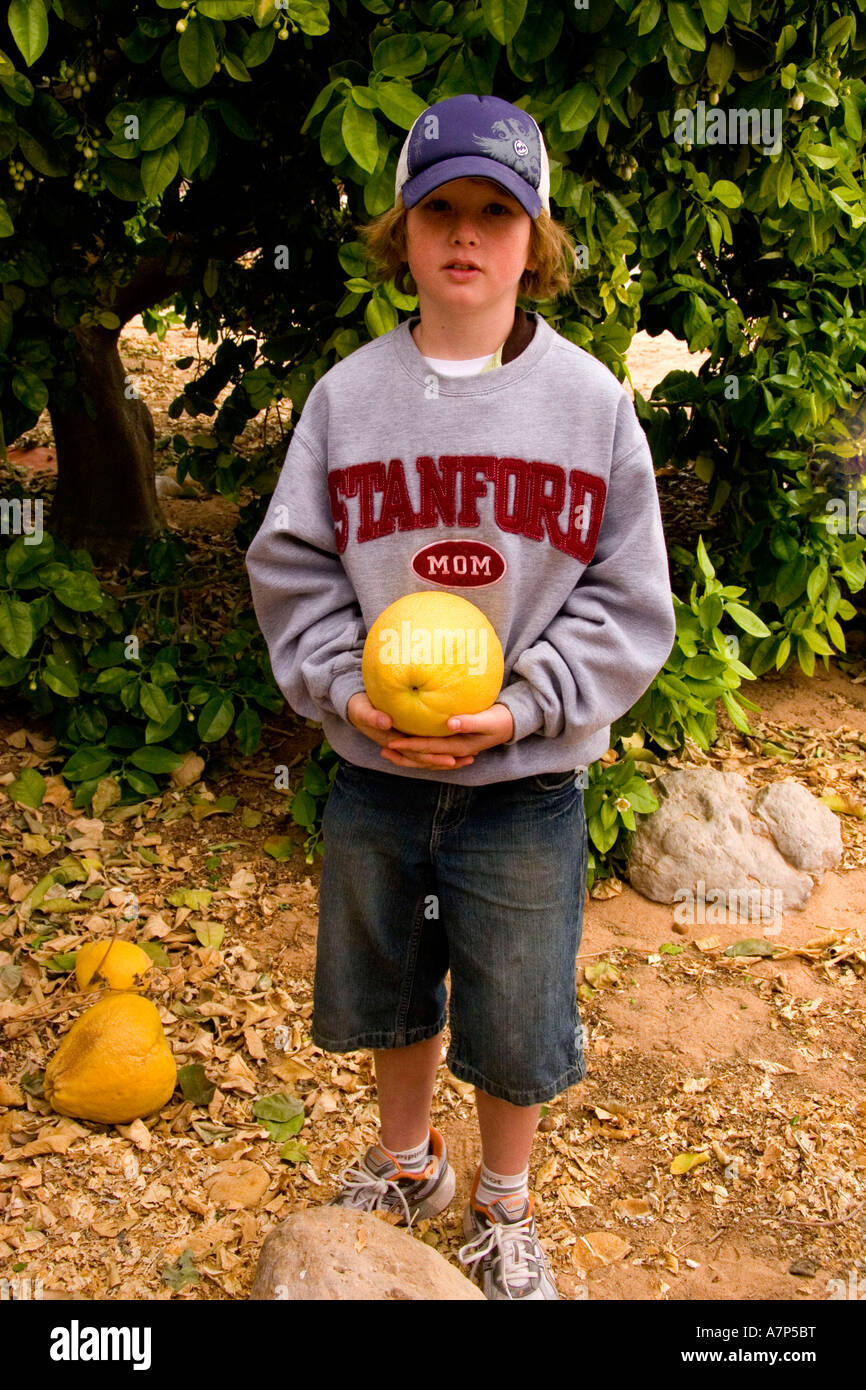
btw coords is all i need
(752, 1066)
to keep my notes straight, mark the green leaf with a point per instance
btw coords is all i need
(60, 675)
(155, 759)
(154, 701)
(248, 728)
(210, 933)
(747, 620)
(361, 136)
(158, 169)
(727, 193)
(402, 55)
(28, 24)
(751, 946)
(720, 63)
(294, 1151)
(43, 159)
(193, 142)
(86, 764)
(576, 107)
(17, 631)
(79, 591)
(197, 53)
(177, 1276)
(28, 789)
(280, 847)
(281, 1105)
(235, 67)
(703, 559)
(157, 952)
(195, 898)
(216, 718)
(195, 1085)
(715, 13)
(503, 18)
(160, 120)
(224, 9)
(399, 103)
(685, 27)
(30, 389)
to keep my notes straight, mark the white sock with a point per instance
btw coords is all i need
(493, 1186)
(412, 1160)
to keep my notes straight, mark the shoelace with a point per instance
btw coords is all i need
(363, 1188)
(514, 1246)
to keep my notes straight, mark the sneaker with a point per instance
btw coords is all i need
(379, 1183)
(508, 1260)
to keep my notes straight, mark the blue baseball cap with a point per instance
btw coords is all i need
(475, 136)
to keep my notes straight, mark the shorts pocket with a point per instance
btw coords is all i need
(555, 781)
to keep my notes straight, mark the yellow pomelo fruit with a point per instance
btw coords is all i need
(429, 656)
(117, 964)
(114, 1065)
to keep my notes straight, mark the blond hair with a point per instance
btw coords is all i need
(550, 246)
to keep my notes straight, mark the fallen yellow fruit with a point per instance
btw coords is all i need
(114, 1065)
(117, 964)
(428, 656)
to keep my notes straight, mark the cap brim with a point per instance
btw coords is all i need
(469, 166)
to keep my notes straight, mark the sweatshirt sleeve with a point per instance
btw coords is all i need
(304, 603)
(615, 631)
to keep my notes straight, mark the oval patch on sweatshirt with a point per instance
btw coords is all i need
(460, 564)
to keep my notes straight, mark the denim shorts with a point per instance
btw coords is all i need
(421, 877)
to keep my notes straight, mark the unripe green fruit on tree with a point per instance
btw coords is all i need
(181, 26)
(714, 98)
(797, 101)
(283, 34)
(76, 92)
(92, 75)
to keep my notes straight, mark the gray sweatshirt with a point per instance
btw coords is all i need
(527, 489)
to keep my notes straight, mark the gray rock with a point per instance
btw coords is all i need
(707, 842)
(338, 1253)
(806, 832)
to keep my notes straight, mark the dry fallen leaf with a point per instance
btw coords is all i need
(598, 1248)
(547, 1172)
(633, 1208)
(572, 1196)
(771, 1068)
(360, 1239)
(238, 1183)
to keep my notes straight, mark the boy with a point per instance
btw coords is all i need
(471, 448)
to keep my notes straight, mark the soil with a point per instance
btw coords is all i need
(752, 1066)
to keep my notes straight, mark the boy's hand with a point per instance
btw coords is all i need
(472, 734)
(475, 732)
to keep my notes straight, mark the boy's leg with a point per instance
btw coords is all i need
(405, 1077)
(507, 1132)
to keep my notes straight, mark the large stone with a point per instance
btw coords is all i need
(338, 1253)
(806, 832)
(713, 835)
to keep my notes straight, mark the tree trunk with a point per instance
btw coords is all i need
(105, 497)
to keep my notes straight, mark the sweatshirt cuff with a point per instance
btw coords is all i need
(526, 712)
(343, 687)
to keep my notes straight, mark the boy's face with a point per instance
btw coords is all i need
(468, 219)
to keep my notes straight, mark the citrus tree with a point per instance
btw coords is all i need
(707, 158)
